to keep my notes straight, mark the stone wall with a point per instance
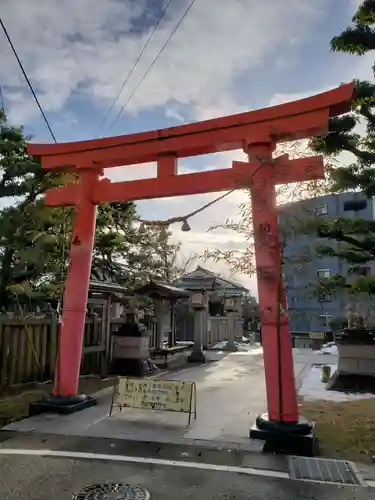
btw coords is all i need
(356, 359)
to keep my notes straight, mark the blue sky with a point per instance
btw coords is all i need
(227, 57)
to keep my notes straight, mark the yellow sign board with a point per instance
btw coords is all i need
(317, 335)
(155, 394)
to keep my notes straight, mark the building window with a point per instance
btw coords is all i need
(288, 282)
(325, 297)
(355, 205)
(321, 209)
(323, 320)
(323, 273)
(359, 270)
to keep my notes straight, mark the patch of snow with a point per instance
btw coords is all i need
(241, 347)
(302, 350)
(314, 389)
(329, 348)
(219, 345)
(256, 349)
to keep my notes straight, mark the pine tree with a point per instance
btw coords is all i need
(35, 239)
(355, 235)
(28, 231)
(127, 255)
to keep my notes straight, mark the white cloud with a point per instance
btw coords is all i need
(173, 112)
(71, 47)
(131, 172)
(21, 109)
(281, 98)
(356, 4)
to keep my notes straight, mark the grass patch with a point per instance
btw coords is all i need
(14, 405)
(345, 430)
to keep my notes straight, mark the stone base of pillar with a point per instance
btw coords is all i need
(230, 347)
(297, 438)
(63, 405)
(196, 357)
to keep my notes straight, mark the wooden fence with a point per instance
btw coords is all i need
(28, 349)
(27, 354)
(218, 330)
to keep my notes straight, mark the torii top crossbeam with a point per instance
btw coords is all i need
(256, 132)
(295, 120)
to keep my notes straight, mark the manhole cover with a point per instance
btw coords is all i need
(323, 470)
(112, 491)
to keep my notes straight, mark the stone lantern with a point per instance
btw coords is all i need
(199, 303)
(231, 307)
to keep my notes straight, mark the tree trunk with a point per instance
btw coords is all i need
(5, 278)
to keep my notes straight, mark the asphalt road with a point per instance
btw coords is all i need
(36, 477)
(46, 478)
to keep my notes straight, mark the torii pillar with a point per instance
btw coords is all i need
(281, 427)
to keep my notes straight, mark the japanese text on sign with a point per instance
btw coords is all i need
(154, 394)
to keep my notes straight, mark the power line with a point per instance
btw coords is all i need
(135, 64)
(2, 100)
(50, 130)
(27, 79)
(153, 63)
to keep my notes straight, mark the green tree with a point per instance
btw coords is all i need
(28, 232)
(352, 239)
(35, 239)
(127, 255)
(240, 258)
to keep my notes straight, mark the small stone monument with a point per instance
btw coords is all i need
(356, 331)
(356, 357)
(355, 320)
(130, 355)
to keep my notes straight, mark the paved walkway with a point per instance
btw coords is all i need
(230, 394)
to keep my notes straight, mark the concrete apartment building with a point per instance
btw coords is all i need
(307, 312)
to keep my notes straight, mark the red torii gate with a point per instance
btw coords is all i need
(257, 133)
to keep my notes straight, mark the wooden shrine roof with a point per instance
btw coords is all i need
(161, 290)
